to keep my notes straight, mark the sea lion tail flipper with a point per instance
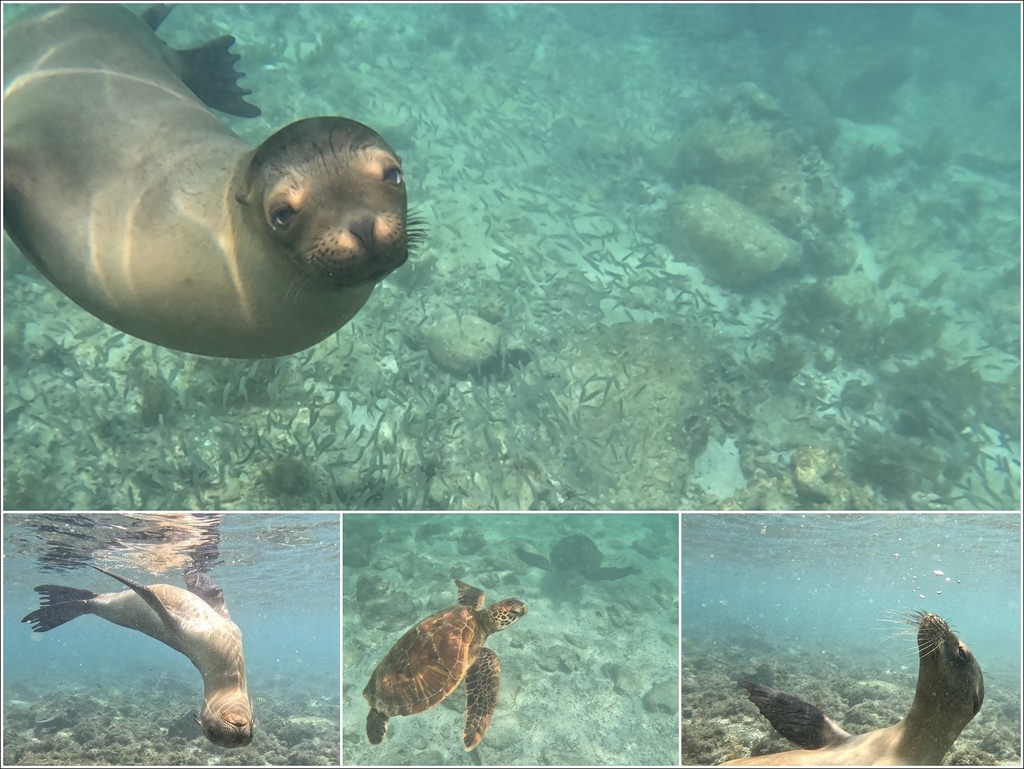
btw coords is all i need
(610, 572)
(201, 585)
(799, 722)
(149, 597)
(60, 605)
(534, 560)
(209, 71)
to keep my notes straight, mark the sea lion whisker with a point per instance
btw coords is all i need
(950, 692)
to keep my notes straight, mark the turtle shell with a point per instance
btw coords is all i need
(426, 664)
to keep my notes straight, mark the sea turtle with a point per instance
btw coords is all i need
(576, 554)
(429, 662)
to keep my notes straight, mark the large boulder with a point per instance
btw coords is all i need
(729, 242)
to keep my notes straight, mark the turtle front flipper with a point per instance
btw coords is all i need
(376, 726)
(481, 696)
(531, 559)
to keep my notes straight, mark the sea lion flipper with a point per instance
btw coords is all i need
(147, 595)
(532, 559)
(611, 572)
(209, 72)
(59, 605)
(799, 722)
(156, 13)
(201, 585)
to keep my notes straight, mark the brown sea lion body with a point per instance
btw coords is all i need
(144, 208)
(194, 622)
(950, 692)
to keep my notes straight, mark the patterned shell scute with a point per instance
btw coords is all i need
(426, 664)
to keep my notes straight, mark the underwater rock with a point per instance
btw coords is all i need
(730, 243)
(184, 726)
(295, 729)
(814, 469)
(391, 614)
(624, 680)
(662, 698)
(559, 658)
(371, 588)
(463, 344)
(471, 541)
(847, 312)
(757, 157)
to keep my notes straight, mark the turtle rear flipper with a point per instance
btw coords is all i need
(611, 572)
(799, 722)
(482, 681)
(376, 726)
(530, 559)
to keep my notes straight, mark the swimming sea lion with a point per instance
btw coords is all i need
(144, 208)
(194, 622)
(950, 691)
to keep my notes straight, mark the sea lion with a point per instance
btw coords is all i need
(194, 622)
(144, 208)
(950, 691)
(576, 554)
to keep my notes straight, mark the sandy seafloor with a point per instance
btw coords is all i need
(91, 693)
(809, 604)
(548, 148)
(588, 677)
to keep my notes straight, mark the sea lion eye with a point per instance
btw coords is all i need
(393, 175)
(282, 217)
(963, 654)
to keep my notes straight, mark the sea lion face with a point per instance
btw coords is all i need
(332, 193)
(956, 675)
(227, 721)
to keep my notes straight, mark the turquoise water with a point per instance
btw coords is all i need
(597, 181)
(90, 692)
(588, 676)
(807, 599)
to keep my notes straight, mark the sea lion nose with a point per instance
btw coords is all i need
(237, 720)
(361, 225)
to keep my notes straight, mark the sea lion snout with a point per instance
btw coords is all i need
(230, 727)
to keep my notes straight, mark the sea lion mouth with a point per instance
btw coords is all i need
(364, 252)
(358, 265)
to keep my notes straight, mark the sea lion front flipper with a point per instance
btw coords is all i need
(531, 559)
(209, 72)
(201, 585)
(150, 598)
(799, 722)
(612, 572)
(155, 14)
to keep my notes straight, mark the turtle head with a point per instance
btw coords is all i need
(504, 613)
